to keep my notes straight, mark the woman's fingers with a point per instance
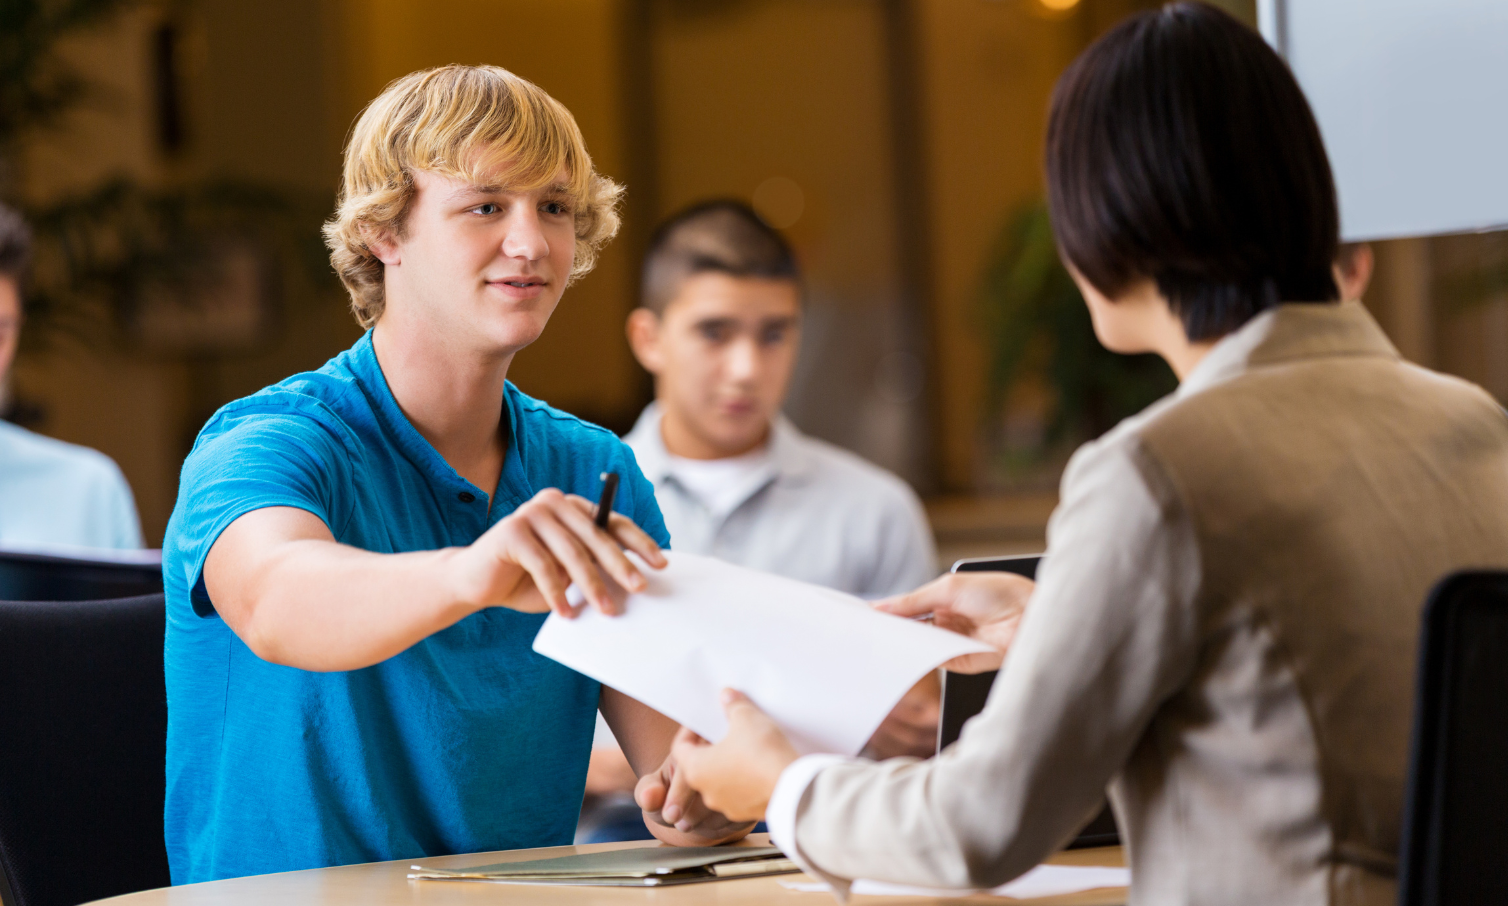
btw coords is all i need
(936, 595)
(975, 663)
(910, 604)
(688, 747)
(983, 606)
(682, 807)
(745, 719)
(734, 702)
(694, 811)
(690, 737)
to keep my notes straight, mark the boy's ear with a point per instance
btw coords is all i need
(643, 329)
(381, 244)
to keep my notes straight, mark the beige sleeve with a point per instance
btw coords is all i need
(1109, 634)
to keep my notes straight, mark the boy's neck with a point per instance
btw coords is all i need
(453, 398)
(681, 439)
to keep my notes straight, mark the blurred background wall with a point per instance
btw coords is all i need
(897, 142)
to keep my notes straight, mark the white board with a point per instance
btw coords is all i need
(1412, 99)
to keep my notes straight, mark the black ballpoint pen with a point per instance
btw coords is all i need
(605, 501)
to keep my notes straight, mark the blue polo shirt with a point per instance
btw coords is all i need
(468, 741)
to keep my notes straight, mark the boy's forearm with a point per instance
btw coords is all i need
(643, 733)
(296, 597)
(320, 605)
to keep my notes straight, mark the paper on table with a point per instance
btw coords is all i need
(824, 665)
(1042, 881)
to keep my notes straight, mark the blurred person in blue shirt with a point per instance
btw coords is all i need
(54, 496)
(361, 556)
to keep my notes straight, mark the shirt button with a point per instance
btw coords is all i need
(466, 497)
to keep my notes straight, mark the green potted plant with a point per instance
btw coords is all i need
(1050, 384)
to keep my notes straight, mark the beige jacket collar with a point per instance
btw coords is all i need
(1290, 332)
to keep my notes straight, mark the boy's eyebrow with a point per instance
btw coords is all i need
(763, 323)
(471, 191)
(469, 194)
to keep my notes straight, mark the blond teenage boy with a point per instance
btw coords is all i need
(361, 555)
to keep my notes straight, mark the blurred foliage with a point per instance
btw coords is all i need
(112, 243)
(36, 86)
(1476, 269)
(1037, 325)
(119, 240)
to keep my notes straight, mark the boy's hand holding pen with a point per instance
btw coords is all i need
(530, 558)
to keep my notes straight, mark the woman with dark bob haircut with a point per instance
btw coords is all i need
(1224, 626)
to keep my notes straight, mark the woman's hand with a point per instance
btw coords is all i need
(737, 775)
(986, 607)
(528, 560)
(676, 814)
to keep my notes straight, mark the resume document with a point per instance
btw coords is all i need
(821, 663)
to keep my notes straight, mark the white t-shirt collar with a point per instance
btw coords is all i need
(723, 484)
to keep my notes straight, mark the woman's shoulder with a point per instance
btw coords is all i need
(1125, 436)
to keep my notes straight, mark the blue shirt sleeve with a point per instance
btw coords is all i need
(636, 496)
(252, 461)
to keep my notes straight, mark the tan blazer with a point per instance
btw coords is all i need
(1224, 630)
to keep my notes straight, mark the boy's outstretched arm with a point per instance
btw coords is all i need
(297, 597)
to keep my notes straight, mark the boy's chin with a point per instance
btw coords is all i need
(514, 332)
(740, 438)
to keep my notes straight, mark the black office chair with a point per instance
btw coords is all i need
(83, 730)
(41, 577)
(1455, 822)
(964, 695)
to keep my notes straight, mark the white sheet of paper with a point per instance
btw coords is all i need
(823, 664)
(1042, 881)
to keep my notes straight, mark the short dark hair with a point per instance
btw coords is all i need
(15, 244)
(722, 236)
(1181, 149)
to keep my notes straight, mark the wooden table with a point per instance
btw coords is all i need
(382, 883)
